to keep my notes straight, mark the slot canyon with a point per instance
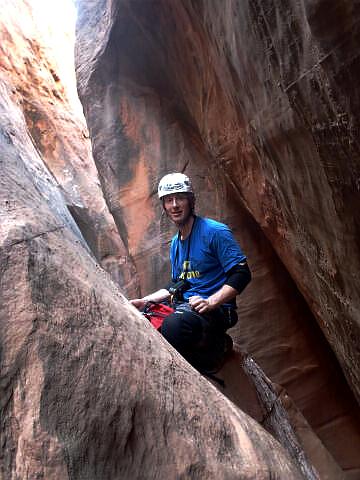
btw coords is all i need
(257, 101)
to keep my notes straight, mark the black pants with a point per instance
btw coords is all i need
(199, 338)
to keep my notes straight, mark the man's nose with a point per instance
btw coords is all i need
(174, 202)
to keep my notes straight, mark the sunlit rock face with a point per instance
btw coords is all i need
(257, 102)
(36, 61)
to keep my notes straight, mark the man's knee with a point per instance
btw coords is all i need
(182, 330)
(171, 329)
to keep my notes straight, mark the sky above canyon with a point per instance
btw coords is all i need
(56, 23)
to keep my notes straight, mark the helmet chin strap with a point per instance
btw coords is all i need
(185, 228)
(179, 225)
(187, 220)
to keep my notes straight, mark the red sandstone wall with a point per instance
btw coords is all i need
(257, 102)
(36, 61)
(86, 385)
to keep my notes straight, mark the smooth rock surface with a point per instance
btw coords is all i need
(88, 388)
(257, 101)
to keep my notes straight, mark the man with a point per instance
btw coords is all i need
(209, 270)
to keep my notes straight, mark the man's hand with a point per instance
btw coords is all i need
(158, 296)
(139, 303)
(204, 305)
(200, 305)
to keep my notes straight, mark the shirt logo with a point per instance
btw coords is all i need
(187, 272)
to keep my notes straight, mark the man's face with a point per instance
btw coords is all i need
(178, 208)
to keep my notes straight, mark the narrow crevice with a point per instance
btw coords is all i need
(277, 418)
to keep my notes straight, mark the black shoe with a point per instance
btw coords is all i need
(211, 360)
(229, 344)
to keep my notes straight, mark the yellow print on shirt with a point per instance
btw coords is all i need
(187, 273)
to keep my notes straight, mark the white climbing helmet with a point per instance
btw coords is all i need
(174, 183)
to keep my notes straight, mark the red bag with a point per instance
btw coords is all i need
(156, 312)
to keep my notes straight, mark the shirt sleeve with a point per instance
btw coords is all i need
(226, 248)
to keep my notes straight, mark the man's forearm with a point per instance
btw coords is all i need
(224, 295)
(158, 296)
